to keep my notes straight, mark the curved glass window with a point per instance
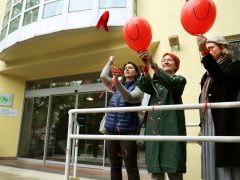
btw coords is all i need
(6, 19)
(14, 24)
(3, 33)
(30, 16)
(112, 4)
(8, 6)
(79, 5)
(17, 9)
(53, 9)
(31, 3)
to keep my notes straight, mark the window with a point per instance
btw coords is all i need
(79, 5)
(236, 50)
(17, 9)
(31, 3)
(112, 4)
(14, 25)
(53, 9)
(30, 16)
(8, 6)
(3, 33)
(6, 19)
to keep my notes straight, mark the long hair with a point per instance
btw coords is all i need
(136, 69)
(220, 41)
(227, 49)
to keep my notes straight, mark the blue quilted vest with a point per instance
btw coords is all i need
(122, 121)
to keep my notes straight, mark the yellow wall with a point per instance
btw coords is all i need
(164, 18)
(9, 126)
(2, 10)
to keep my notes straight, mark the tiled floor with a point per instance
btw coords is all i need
(27, 170)
(11, 173)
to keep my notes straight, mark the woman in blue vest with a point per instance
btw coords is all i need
(125, 93)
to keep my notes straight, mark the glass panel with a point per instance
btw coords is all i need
(78, 5)
(3, 33)
(236, 50)
(39, 84)
(66, 81)
(31, 144)
(112, 3)
(17, 9)
(76, 80)
(90, 151)
(53, 8)
(8, 6)
(14, 24)
(6, 19)
(30, 16)
(57, 139)
(31, 3)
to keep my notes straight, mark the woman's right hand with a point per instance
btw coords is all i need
(146, 58)
(111, 58)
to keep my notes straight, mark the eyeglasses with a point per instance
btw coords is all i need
(166, 60)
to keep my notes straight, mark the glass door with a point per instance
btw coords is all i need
(90, 151)
(31, 144)
(58, 126)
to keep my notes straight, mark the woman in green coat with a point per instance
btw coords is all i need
(165, 88)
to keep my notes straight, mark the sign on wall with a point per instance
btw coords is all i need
(6, 99)
(9, 112)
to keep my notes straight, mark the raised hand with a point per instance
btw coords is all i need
(146, 58)
(201, 42)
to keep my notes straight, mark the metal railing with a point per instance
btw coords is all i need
(189, 139)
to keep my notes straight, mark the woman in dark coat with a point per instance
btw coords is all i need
(219, 84)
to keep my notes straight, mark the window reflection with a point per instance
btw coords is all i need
(14, 25)
(58, 128)
(53, 9)
(112, 4)
(30, 16)
(66, 81)
(79, 5)
(8, 6)
(3, 33)
(33, 128)
(89, 124)
(6, 19)
(31, 3)
(17, 9)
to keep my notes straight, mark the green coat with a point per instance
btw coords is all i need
(169, 157)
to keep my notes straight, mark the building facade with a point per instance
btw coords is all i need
(51, 56)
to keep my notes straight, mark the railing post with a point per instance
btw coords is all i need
(68, 149)
(76, 155)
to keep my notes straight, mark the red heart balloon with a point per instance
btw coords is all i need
(137, 33)
(198, 16)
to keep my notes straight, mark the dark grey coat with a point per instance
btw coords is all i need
(224, 88)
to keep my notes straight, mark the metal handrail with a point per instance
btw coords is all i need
(191, 139)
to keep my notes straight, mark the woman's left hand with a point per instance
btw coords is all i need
(146, 57)
(201, 42)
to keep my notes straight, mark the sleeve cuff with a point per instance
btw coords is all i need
(205, 53)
